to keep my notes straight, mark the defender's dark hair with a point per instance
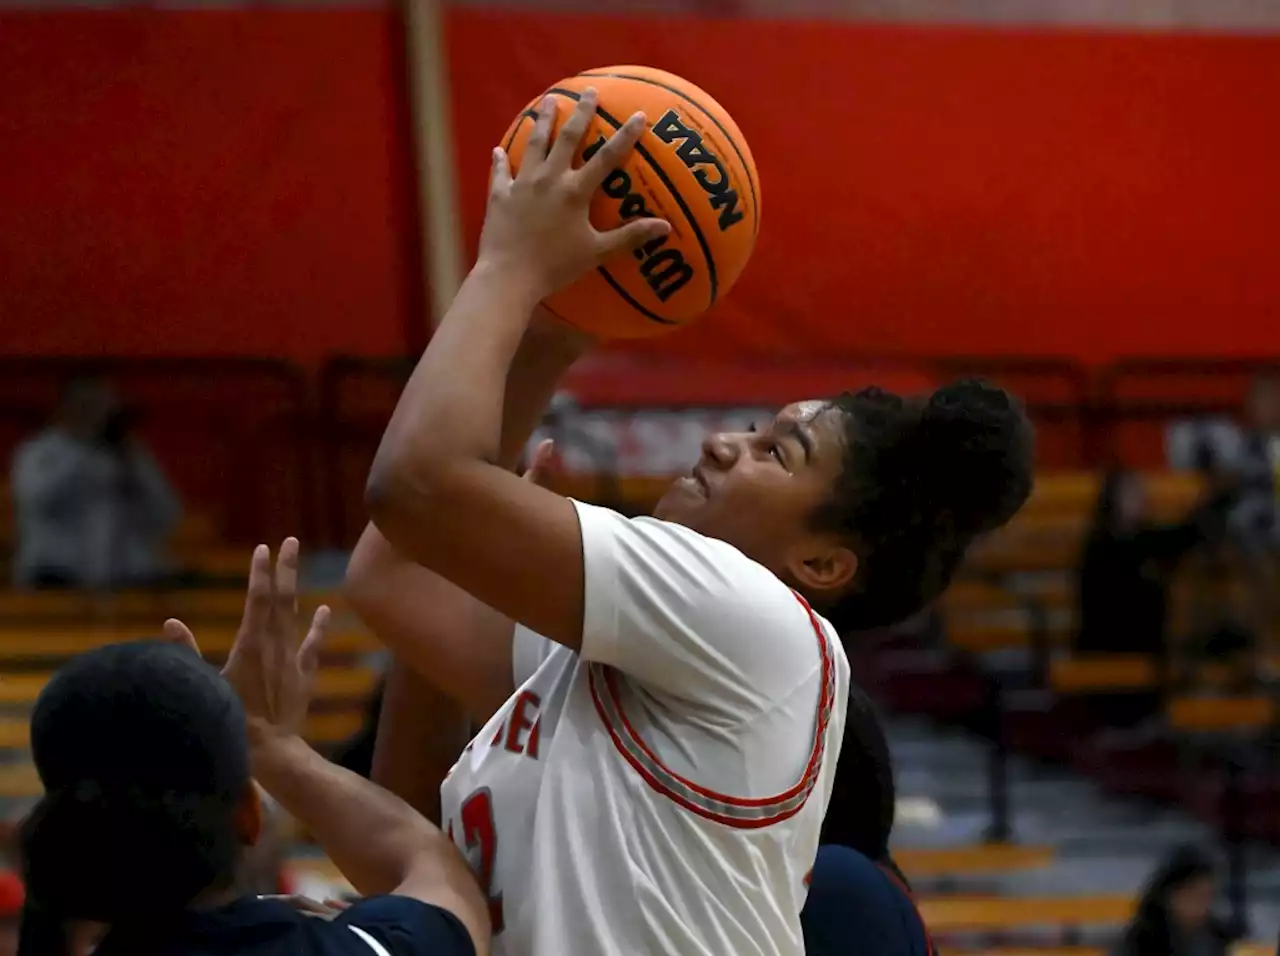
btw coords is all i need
(922, 478)
(863, 797)
(142, 751)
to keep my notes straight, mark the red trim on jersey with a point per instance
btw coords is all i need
(826, 700)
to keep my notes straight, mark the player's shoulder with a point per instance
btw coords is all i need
(851, 897)
(695, 563)
(403, 926)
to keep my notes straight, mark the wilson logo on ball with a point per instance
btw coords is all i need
(665, 270)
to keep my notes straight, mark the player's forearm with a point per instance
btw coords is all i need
(376, 839)
(453, 642)
(449, 418)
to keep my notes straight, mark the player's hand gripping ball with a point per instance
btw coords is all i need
(691, 167)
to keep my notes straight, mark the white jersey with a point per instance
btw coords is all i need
(661, 792)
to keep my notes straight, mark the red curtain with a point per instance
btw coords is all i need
(205, 182)
(952, 190)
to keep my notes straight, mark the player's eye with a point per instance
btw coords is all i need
(773, 447)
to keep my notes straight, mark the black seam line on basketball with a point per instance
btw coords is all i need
(733, 144)
(515, 131)
(626, 296)
(658, 171)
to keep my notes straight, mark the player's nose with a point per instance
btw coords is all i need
(722, 449)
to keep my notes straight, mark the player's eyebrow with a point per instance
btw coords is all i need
(790, 428)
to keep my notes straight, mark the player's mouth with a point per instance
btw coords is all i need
(694, 484)
(700, 478)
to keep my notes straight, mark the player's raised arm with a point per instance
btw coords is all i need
(451, 640)
(437, 490)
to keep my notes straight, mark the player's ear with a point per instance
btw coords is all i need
(823, 568)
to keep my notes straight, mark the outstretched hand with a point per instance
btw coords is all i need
(271, 669)
(537, 222)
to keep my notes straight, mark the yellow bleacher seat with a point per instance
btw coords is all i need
(152, 607)
(1171, 493)
(19, 781)
(1216, 714)
(996, 636)
(1102, 673)
(971, 860)
(332, 684)
(995, 914)
(20, 644)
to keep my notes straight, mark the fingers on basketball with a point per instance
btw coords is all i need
(629, 237)
(535, 153)
(500, 177)
(612, 155)
(572, 133)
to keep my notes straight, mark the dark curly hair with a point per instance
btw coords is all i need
(143, 753)
(922, 478)
(860, 811)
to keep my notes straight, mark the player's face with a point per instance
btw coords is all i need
(758, 490)
(1191, 903)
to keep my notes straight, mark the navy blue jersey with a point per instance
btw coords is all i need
(857, 906)
(378, 926)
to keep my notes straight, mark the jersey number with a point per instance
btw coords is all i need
(479, 832)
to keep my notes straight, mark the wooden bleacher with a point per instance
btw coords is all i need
(994, 914)
(1221, 714)
(145, 608)
(1103, 673)
(39, 630)
(332, 683)
(18, 645)
(977, 860)
(1047, 534)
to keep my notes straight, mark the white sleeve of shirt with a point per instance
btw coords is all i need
(690, 616)
(528, 650)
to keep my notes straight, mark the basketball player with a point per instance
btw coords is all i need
(657, 781)
(858, 899)
(148, 811)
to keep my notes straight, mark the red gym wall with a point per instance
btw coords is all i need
(239, 182)
(229, 182)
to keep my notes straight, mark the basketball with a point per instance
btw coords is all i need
(692, 167)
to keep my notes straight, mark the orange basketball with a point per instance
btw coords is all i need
(691, 167)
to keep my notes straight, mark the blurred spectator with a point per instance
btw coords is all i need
(1249, 451)
(92, 506)
(1175, 916)
(1128, 560)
